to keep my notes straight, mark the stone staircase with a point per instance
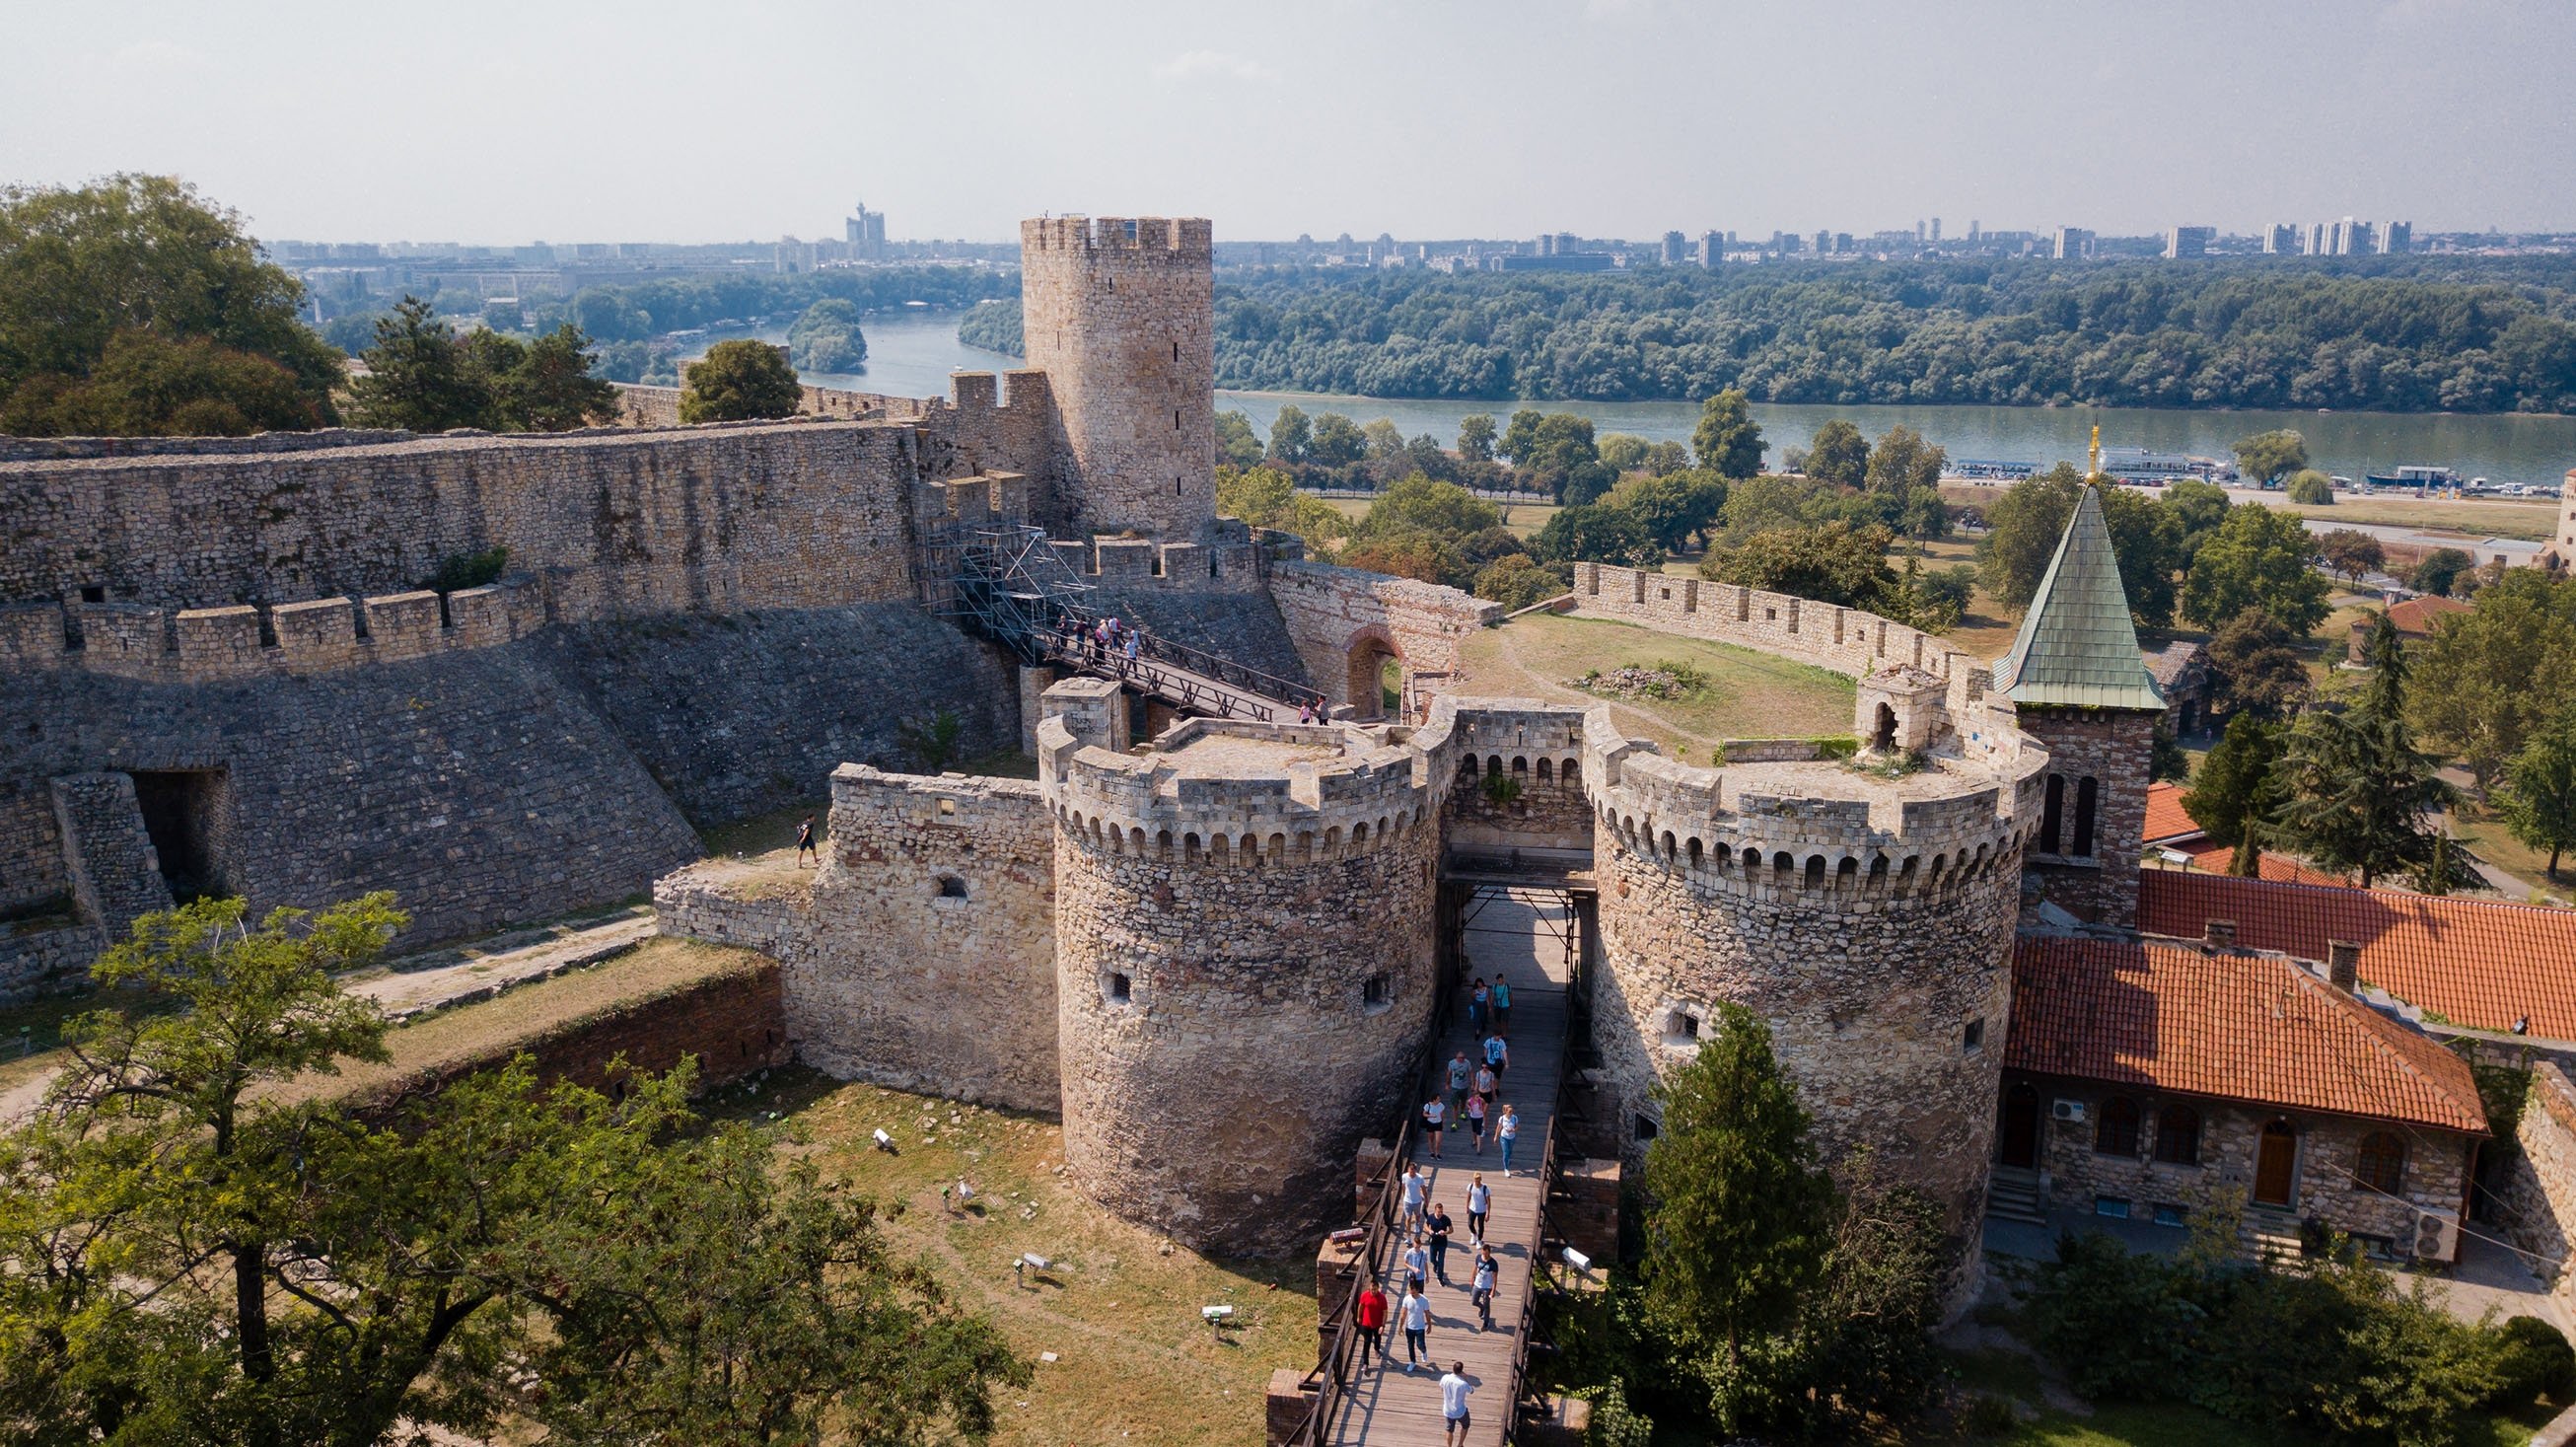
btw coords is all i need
(2268, 1234)
(2012, 1194)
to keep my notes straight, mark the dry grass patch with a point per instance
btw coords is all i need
(1745, 693)
(1118, 1305)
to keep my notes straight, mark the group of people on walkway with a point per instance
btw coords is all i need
(1426, 1231)
(1107, 638)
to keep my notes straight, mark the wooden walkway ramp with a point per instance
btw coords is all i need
(1383, 1403)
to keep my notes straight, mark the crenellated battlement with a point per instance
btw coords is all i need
(214, 645)
(1793, 818)
(1222, 791)
(1190, 239)
(1845, 639)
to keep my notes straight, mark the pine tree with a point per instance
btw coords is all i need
(2359, 791)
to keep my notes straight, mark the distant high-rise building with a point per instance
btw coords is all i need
(1675, 248)
(1824, 242)
(1936, 231)
(2281, 240)
(2317, 237)
(1974, 231)
(866, 234)
(2348, 237)
(2396, 238)
(2073, 243)
(2182, 241)
(1918, 233)
(1712, 246)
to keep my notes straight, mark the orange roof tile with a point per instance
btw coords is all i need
(2415, 615)
(2165, 817)
(2474, 962)
(2214, 858)
(2235, 1024)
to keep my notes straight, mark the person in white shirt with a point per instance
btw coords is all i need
(1417, 1322)
(1486, 1271)
(1480, 1204)
(1416, 1192)
(1435, 1115)
(1453, 1405)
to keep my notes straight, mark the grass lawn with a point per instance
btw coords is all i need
(2485, 835)
(2470, 517)
(1119, 1307)
(1749, 694)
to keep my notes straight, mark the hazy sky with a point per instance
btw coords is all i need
(722, 119)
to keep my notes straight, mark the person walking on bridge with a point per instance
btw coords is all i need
(1502, 1004)
(1439, 1223)
(1435, 1116)
(1416, 1312)
(1453, 1406)
(1371, 1319)
(1475, 1112)
(1507, 1130)
(1476, 999)
(1483, 1284)
(1416, 1192)
(1480, 1204)
(1458, 1080)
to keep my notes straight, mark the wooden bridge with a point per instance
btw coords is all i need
(1525, 937)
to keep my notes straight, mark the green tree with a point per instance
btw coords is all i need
(2311, 488)
(1476, 437)
(2488, 679)
(1592, 533)
(422, 377)
(2256, 667)
(933, 741)
(2357, 793)
(2267, 457)
(1517, 581)
(2260, 557)
(1236, 442)
(1418, 504)
(1738, 1221)
(2196, 509)
(147, 386)
(2351, 553)
(1290, 435)
(1727, 440)
(1828, 562)
(1268, 498)
(610, 315)
(1556, 452)
(740, 380)
(2237, 787)
(1673, 509)
(2441, 571)
(1426, 557)
(1903, 464)
(2539, 802)
(827, 337)
(1838, 454)
(2022, 529)
(1338, 442)
(1624, 452)
(552, 389)
(1385, 439)
(190, 1253)
(148, 255)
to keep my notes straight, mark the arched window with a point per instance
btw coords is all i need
(2086, 793)
(2178, 1136)
(2115, 1131)
(2382, 1163)
(2053, 816)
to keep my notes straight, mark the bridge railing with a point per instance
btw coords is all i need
(1332, 1374)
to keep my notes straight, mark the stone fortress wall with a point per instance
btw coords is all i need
(1844, 639)
(1121, 314)
(1245, 967)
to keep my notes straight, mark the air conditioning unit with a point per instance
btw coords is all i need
(2067, 1110)
(2437, 1235)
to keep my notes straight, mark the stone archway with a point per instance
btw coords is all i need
(1371, 658)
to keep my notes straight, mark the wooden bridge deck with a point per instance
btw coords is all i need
(1177, 684)
(1384, 1403)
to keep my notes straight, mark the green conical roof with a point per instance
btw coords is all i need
(2077, 647)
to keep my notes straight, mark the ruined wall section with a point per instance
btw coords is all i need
(921, 953)
(1342, 620)
(609, 522)
(1868, 920)
(1245, 971)
(1518, 782)
(1120, 315)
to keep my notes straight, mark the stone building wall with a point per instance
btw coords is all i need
(1845, 639)
(2541, 1203)
(1344, 622)
(609, 522)
(1245, 973)
(2115, 748)
(1120, 315)
(1868, 921)
(1538, 748)
(2436, 1174)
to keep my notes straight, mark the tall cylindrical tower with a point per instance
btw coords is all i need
(1120, 315)
(1245, 970)
(1867, 919)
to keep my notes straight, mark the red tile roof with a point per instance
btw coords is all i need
(2211, 858)
(2165, 816)
(2236, 1025)
(2416, 615)
(2474, 962)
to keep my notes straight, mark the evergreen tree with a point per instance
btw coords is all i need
(2237, 788)
(422, 377)
(552, 389)
(2358, 791)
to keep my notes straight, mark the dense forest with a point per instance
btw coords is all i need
(2408, 334)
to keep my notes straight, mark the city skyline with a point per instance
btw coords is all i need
(1628, 119)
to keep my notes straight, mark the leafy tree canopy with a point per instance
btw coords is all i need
(1595, 533)
(740, 380)
(2311, 488)
(2357, 795)
(1903, 463)
(827, 337)
(2267, 457)
(1727, 440)
(2488, 679)
(133, 306)
(1838, 454)
(2256, 667)
(1476, 437)
(2539, 803)
(1236, 443)
(2236, 788)
(2260, 557)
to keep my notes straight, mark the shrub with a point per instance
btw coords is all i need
(2118, 1325)
(2312, 489)
(2537, 1362)
(468, 570)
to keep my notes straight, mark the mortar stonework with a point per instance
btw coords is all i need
(1245, 973)
(2096, 880)
(1121, 316)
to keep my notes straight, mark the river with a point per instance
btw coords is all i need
(911, 354)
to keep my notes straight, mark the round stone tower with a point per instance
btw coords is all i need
(1244, 970)
(1120, 315)
(1866, 913)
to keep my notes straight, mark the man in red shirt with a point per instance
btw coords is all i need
(1372, 1321)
